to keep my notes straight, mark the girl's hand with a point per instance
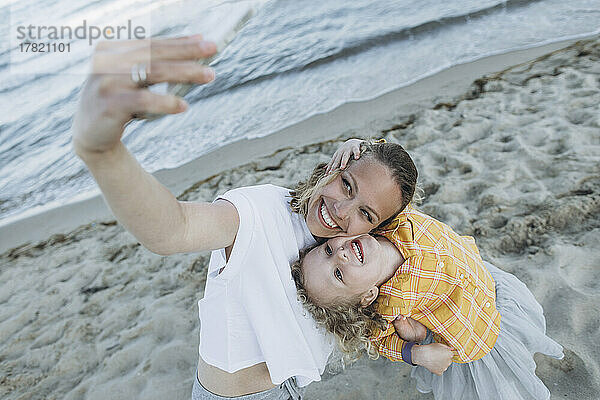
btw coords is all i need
(409, 329)
(342, 155)
(110, 97)
(436, 357)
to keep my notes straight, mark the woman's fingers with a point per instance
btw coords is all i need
(175, 50)
(144, 101)
(110, 96)
(119, 57)
(179, 72)
(135, 43)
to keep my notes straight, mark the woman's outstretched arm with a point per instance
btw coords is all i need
(151, 212)
(108, 101)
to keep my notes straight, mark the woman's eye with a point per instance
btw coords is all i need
(367, 215)
(347, 185)
(338, 274)
(328, 250)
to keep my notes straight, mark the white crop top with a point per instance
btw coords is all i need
(250, 312)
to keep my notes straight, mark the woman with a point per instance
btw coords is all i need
(254, 334)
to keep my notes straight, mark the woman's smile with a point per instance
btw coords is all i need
(356, 201)
(325, 217)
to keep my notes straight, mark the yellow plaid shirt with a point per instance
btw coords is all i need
(443, 284)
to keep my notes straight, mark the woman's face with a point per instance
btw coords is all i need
(356, 201)
(346, 268)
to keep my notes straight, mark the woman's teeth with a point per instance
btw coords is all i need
(357, 251)
(328, 221)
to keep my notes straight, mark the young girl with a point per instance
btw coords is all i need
(420, 268)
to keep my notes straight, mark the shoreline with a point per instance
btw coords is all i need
(41, 222)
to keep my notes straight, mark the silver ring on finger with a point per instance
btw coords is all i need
(139, 76)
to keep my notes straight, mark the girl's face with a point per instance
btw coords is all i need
(355, 202)
(347, 269)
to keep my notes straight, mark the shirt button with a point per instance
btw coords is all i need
(441, 264)
(461, 276)
(487, 304)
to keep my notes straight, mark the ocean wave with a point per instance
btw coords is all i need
(231, 78)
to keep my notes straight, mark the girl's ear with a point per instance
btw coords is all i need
(369, 296)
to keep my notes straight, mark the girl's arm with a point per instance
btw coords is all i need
(409, 329)
(350, 148)
(436, 357)
(109, 100)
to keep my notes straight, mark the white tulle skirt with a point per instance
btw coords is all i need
(508, 371)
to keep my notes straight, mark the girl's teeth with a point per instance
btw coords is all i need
(356, 249)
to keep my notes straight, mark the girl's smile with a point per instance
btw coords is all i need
(344, 268)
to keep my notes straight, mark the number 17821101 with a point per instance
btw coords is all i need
(29, 47)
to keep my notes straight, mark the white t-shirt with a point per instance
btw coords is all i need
(250, 312)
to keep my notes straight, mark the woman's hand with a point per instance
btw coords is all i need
(110, 98)
(343, 153)
(436, 357)
(409, 329)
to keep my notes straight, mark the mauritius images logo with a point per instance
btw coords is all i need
(89, 32)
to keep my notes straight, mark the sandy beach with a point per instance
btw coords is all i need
(511, 158)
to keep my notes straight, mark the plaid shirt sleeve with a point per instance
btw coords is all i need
(388, 343)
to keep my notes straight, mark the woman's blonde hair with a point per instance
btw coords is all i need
(350, 323)
(305, 190)
(392, 155)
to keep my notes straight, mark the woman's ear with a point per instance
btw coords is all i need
(369, 296)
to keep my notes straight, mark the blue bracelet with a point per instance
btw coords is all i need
(407, 353)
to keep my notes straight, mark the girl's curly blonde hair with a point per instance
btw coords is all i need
(350, 323)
